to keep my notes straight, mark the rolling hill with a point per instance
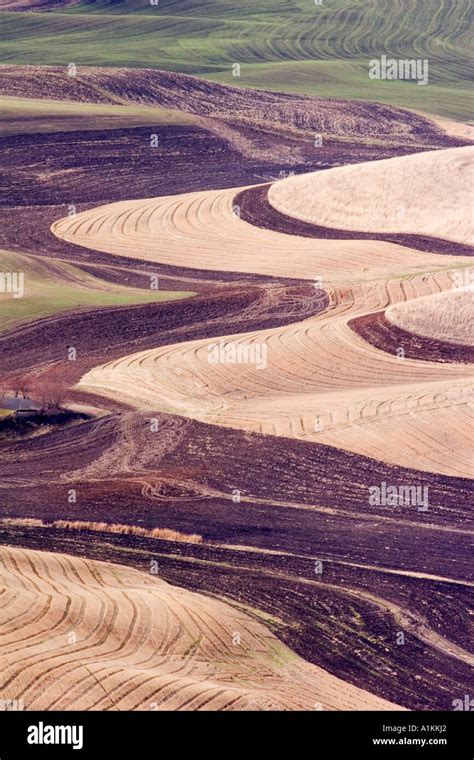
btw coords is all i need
(295, 46)
(114, 638)
(248, 479)
(53, 287)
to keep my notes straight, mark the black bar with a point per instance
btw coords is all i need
(329, 734)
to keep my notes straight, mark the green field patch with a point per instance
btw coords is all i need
(291, 45)
(349, 80)
(26, 115)
(52, 287)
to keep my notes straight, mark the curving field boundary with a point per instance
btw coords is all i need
(322, 381)
(86, 635)
(255, 208)
(380, 332)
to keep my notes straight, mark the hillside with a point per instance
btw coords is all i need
(154, 646)
(293, 46)
(355, 122)
(427, 193)
(443, 316)
(52, 287)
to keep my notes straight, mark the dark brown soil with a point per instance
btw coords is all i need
(256, 209)
(284, 484)
(324, 618)
(109, 333)
(299, 501)
(381, 333)
(362, 121)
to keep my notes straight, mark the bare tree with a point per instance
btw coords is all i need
(51, 389)
(25, 385)
(14, 385)
(21, 385)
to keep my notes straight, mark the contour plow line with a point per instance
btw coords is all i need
(202, 230)
(321, 382)
(316, 379)
(83, 634)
